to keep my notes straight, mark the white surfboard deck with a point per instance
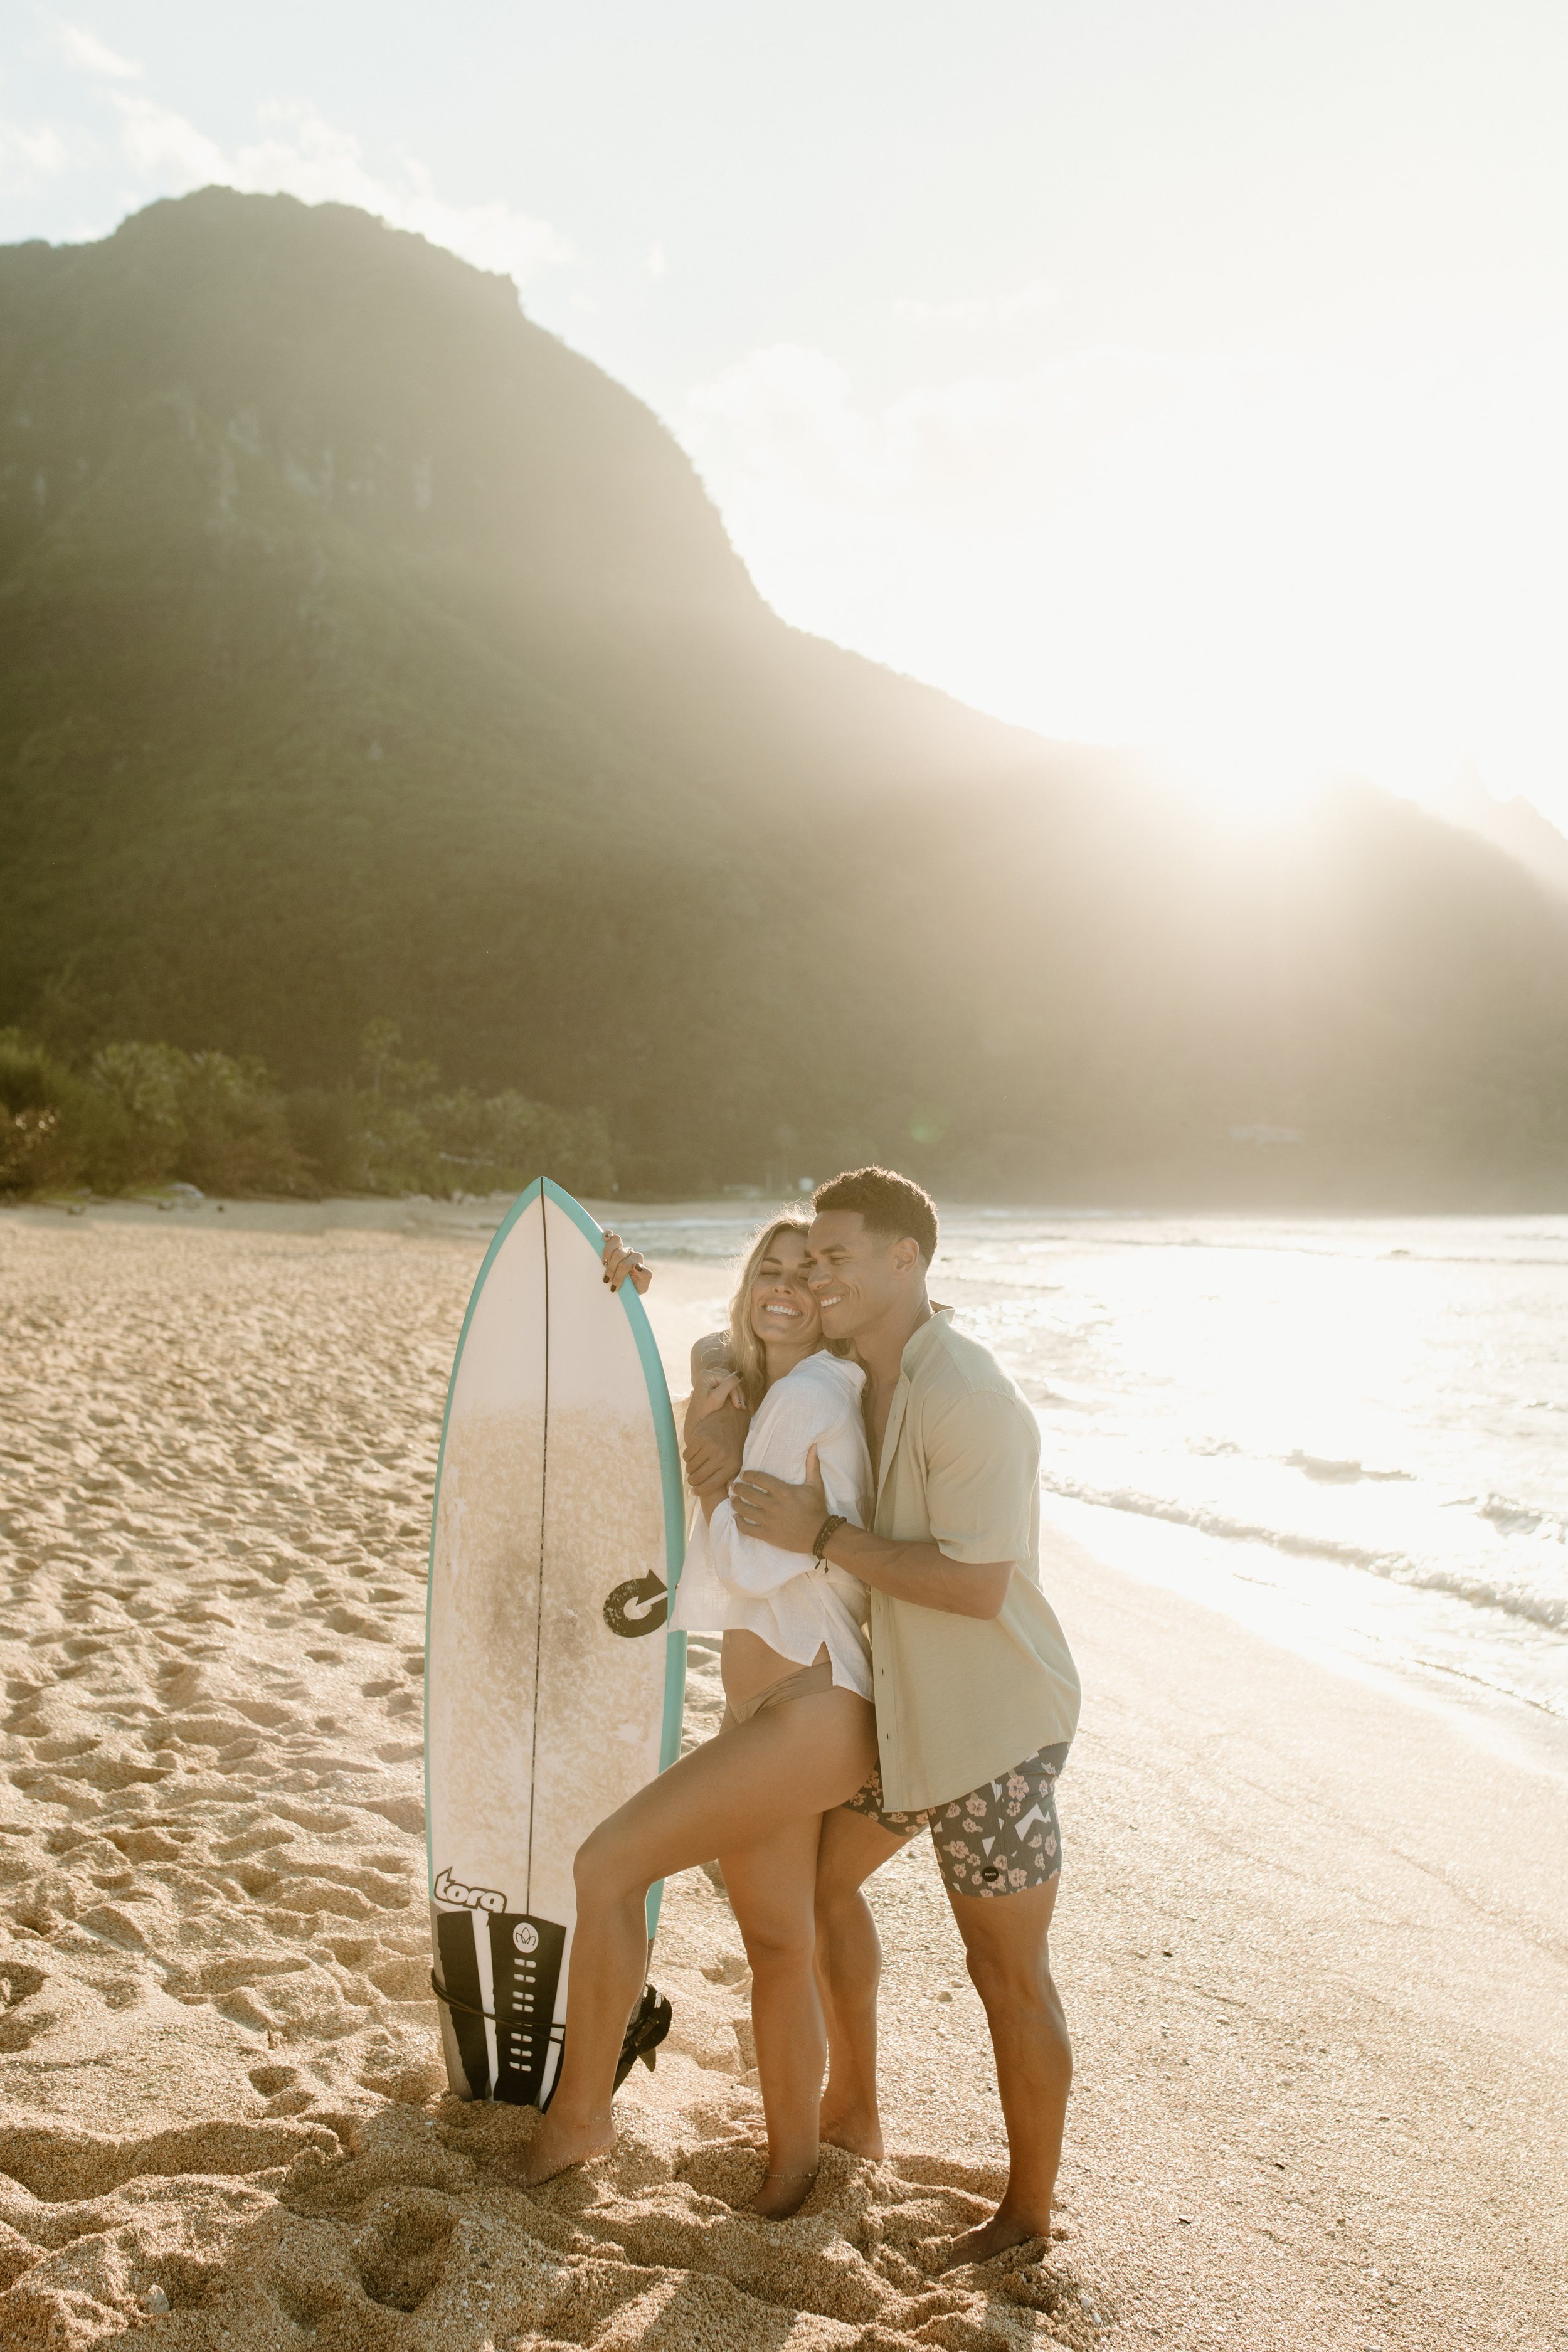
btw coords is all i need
(553, 1688)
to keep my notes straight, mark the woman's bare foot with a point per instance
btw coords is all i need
(997, 2236)
(857, 2129)
(783, 2193)
(555, 2146)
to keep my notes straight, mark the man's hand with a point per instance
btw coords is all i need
(623, 1264)
(789, 1517)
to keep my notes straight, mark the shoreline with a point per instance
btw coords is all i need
(1380, 1629)
(386, 1211)
(1361, 1643)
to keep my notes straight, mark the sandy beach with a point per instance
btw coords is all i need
(1313, 1936)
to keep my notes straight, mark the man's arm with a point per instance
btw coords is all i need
(796, 1426)
(791, 1517)
(921, 1573)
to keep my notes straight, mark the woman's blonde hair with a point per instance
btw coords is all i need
(745, 1347)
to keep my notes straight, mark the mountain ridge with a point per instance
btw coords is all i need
(365, 654)
(1516, 827)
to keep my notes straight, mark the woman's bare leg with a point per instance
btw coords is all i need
(848, 1967)
(791, 1763)
(770, 1886)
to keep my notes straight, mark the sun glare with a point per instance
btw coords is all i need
(1277, 591)
(1262, 571)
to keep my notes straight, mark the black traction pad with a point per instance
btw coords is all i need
(525, 1956)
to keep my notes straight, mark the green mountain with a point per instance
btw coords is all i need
(365, 655)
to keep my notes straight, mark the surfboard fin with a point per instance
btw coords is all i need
(644, 2034)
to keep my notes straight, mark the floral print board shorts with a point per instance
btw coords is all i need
(1002, 1839)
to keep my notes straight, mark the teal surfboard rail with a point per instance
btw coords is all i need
(669, 1474)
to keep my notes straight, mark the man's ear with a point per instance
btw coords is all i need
(905, 1253)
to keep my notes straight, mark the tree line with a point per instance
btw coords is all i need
(135, 1116)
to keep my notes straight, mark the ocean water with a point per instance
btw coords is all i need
(1351, 1433)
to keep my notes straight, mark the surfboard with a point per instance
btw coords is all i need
(553, 1686)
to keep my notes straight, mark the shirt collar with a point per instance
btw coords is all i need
(919, 1341)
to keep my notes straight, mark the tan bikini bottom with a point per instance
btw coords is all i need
(802, 1684)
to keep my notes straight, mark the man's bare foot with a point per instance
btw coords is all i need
(997, 2236)
(555, 2146)
(853, 2129)
(783, 2193)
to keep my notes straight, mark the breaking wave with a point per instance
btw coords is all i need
(1460, 1582)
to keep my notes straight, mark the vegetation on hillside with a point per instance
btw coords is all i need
(134, 1117)
(365, 654)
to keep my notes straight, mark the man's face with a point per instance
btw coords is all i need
(854, 1275)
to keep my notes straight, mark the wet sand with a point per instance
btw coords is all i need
(1313, 1942)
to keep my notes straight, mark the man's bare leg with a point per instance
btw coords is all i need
(848, 1967)
(1004, 1942)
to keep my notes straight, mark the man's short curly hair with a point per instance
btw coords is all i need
(891, 1205)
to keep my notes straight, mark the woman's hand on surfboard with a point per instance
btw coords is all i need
(788, 1517)
(623, 1264)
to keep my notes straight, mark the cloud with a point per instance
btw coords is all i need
(973, 312)
(978, 451)
(300, 153)
(1259, 564)
(161, 145)
(872, 525)
(38, 148)
(89, 55)
(309, 157)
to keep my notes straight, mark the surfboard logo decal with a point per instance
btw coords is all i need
(638, 1606)
(472, 1898)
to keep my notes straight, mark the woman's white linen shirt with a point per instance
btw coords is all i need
(788, 1599)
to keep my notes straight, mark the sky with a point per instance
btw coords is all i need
(1188, 374)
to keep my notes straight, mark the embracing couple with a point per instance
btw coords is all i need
(868, 1543)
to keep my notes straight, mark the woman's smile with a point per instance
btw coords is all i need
(782, 1307)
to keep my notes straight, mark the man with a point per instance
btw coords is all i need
(977, 1697)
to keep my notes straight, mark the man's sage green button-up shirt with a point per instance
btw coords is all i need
(962, 1699)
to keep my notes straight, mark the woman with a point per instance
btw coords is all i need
(798, 1738)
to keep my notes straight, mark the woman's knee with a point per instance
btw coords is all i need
(606, 1866)
(841, 1911)
(779, 1945)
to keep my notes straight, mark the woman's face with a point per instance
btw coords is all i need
(781, 1305)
